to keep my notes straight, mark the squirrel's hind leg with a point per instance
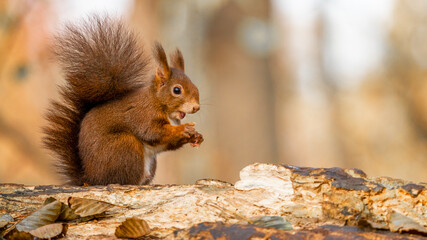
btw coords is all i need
(118, 159)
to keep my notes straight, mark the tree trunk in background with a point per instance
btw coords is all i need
(144, 21)
(242, 87)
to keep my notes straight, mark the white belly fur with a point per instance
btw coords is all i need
(150, 153)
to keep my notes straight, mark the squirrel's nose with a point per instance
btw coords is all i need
(196, 108)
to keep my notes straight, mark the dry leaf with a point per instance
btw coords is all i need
(88, 207)
(401, 223)
(67, 214)
(17, 235)
(3, 223)
(45, 215)
(132, 228)
(5, 219)
(50, 231)
(49, 200)
(277, 222)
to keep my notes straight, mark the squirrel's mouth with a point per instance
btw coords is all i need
(181, 115)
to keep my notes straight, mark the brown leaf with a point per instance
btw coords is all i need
(5, 219)
(88, 207)
(3, 223)
(67, 214)
(401, 223)
(277, 222)
(132, 228)
(49, 200)
(45, 215)
(50, 231)
(17, 235)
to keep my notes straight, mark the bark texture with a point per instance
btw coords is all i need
(318, 202)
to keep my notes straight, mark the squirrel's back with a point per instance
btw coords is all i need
(102, 61)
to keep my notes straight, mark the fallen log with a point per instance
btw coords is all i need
(316, 202)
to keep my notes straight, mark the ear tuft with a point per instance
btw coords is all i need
(163, 70)
(177, 60)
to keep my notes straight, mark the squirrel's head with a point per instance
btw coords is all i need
(174, 89)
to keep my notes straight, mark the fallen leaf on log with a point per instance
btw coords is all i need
(3, 223)
(5, 219)
(277, 222)
(132, 228)
(45, 215)
(401, 223)
(67, 214)
(17, 235)
(50, 231)
(88, 207)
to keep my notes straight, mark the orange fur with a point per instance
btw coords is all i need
(114, 118)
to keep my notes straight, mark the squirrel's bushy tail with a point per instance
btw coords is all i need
(102, 60)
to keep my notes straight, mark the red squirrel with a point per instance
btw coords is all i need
(114, 116)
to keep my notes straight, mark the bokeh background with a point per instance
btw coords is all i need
(337, 83)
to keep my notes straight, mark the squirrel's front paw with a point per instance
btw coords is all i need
(191, 135)
(196, 140)
(189, 130)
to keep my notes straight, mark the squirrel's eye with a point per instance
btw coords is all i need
(177, 90)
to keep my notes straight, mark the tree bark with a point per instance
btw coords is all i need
(318, 202)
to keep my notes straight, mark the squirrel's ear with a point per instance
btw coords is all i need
(177, 60)
(162, 70)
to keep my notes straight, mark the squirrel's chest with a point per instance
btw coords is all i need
(150, 153)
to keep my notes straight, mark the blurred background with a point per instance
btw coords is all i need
(308, 83)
